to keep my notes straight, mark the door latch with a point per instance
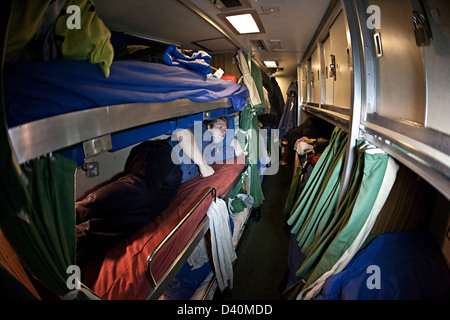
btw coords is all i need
(422, 30)
(333, 67)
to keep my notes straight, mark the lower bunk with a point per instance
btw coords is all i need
(142, 266)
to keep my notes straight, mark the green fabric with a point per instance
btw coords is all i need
(335, 233)
(354, 215)
(24, 20)
(248, 136)
(236, 202)
(257, 78)
(326, 202)
(297, 184)
(309, 196)
(90, 42)
(44, 238)
(250, 139)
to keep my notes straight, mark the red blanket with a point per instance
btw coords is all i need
(122, 273)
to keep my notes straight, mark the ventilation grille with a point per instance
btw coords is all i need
(259, 45)
(228, 5)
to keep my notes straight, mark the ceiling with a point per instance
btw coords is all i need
(195, 24)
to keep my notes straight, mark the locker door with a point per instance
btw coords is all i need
(329, 80)
(315, 76)
(437, 60)
(400, 70)
(304, 83)
(339, 48)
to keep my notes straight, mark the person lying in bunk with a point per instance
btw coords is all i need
(153, 172)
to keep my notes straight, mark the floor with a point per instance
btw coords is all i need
(260, 271)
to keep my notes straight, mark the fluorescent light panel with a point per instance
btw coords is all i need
(243, 23)
(270, 64)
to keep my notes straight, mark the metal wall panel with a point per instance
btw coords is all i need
(400, 71)
(437, 61)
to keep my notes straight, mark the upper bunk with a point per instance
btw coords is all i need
(83, 96)
(85, 105)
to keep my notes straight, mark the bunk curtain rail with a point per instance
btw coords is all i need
(174, 230)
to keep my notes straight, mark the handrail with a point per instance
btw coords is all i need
(174, 230)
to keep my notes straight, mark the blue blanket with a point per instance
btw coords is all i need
(405, 265)
(40, 89)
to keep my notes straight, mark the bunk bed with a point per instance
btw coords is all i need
(51, 105)
(69, 107)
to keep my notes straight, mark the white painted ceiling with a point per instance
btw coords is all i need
(188, 23)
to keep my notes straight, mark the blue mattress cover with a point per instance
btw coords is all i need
(41, 89)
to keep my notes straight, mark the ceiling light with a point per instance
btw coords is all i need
(246, 22)
(243, 23)
(270, 64)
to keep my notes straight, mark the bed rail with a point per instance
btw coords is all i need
(174, 230)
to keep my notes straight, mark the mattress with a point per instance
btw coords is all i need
(41, 89)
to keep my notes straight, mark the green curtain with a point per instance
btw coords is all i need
(43, 230)
(297, 185)
(318, 188)
(248, 135)
(330, 239)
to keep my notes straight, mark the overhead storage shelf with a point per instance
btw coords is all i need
(334, 115)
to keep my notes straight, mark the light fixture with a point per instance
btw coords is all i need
(270, 64)
(243, 22)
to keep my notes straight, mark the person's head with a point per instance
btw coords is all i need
(218, 128)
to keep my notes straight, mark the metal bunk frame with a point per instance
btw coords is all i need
(40, 137)
(158, 286)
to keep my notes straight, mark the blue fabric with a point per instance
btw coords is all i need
(289, 117)
(211, 152)
(198, 60)
(40, 89)
(411, 267)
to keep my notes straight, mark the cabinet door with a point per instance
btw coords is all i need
(339, 48)
(400, 70)
(336, 59)
(315, 77)
(329, 80)
(437, 60)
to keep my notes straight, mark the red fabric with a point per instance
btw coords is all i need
(123, 274)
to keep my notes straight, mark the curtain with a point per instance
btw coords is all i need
(248, 134)
(330, 236)
(322, 185)
(42, 232)
(297, 184)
